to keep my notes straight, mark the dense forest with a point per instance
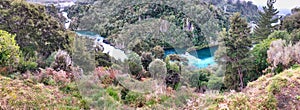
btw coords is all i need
(44, 65)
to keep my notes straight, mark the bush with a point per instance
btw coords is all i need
(215, 83)
(27, 65)
(107, 76)
(146, 59)
(158, 52)
(9, 50)
(135, 99)
(102, 59)
(135, 69)
(295, 36)
(280, 35)
(158, 69)
(50, 59)
(113, 93)
(62, 61)
(199, 80)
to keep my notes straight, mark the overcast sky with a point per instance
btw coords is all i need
(281, 4)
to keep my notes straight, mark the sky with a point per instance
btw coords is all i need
(280, 4)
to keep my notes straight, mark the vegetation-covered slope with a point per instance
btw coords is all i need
(269, 92)
(35, 30)
(25, 94)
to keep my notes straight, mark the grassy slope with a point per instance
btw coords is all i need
(281, 91)
(19, 94)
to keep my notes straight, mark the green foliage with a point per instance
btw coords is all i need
(25, 65)
(215, 82)
(291, 23)
(135, 69)
(111, 17)
(102, 59)
(259, 54)
(83, 54)
(146, 59)
(113, 93)
(50, 59)
(264, 23)
(199, 80)
(298, 97)
(269, 103)
(276, 84)
(173, 76)
(280, 35)
(35, 30)
(174, 68)
(135, 99)
(295, 36)
(9, 50)
(158, 69)
(237, 44)
(139, 46)
(158, 52)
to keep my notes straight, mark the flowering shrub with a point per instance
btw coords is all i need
(106, 75)
(281, 55)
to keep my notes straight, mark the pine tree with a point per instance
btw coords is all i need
(264, 27)
(237, 44)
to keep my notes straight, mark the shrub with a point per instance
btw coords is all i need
(215, 83)
(295, 36)
(146, 59)
(27, 65)
(173, 76)
(135, 69)
(50, 59)
(9, 50)
(113, 93)
(280, 35)
(135, 99)
(107, 76)
(158, 52)
(102, 59)
(282, 56)
(199, 80)
(62, 61)
(158, 69)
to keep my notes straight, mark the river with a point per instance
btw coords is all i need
(200, 58)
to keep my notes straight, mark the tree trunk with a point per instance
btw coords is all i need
(241, 78)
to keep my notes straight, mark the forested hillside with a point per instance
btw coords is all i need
(206, 18)
(133, 54)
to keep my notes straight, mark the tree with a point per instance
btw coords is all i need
(259, 54)
(292, 22)
(199, 80)
(158, 69)
(158, 72)
(265, 28)
(9, 50)
(35, 30)
(295, 36)
(237, 44)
